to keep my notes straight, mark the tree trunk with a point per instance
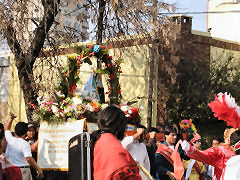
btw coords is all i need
(100, 28)
(151, 67)
(26, 59)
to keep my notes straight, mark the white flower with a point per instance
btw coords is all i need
(129, 111)
(77, 100)
(124, 108)
(54, 109)
(39, 99)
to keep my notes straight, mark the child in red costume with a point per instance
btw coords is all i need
(215, 156)
(111, 160)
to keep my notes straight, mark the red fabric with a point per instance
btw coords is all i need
(177, 163)
(13, 173)
(112, 161)
(174, 158)
(215, 156)
(224, 112)
(165, 151)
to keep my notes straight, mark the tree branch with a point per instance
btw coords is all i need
(40, 33)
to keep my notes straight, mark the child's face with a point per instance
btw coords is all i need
(31, 132)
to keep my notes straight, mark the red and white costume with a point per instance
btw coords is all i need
(215, 156)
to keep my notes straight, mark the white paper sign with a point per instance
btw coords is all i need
(53, 144)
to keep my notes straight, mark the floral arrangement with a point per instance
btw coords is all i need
(131, 113)
(66, 103)
(57, 108)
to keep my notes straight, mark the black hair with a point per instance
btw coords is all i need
(111, 119)
(21, 128)
(234, 138)
(169, 129)
(189, 137)
(1, 131)
(143, 135)
(141, 126)
(153, 129)
(34, 126)
(220, 140)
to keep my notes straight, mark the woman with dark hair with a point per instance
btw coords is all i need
(111, 160)
(31, 138)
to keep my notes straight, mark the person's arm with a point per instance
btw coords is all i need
(34, 146)
(209, 156)
(33, 163)
(151, 142)
(130, 139)
(8, 125)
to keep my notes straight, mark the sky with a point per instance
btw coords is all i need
(199, 20)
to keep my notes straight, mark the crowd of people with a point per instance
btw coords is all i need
(121, 155)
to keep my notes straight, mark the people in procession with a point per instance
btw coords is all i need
(111, 160)
(163, 162)
(194, 169)
(18, 150)
(215, 156)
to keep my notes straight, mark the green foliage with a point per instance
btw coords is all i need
(196, 87)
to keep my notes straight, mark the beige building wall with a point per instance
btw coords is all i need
(220, 55)
(224, 25)
(16, 102)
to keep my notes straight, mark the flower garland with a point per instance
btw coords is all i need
(66, 103)
(110, 67)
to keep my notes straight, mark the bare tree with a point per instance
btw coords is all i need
(29, 26)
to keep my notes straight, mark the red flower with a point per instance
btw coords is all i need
(111, 76)
(108, 47)
(74, 88)
(108, 65)
(119, 91)
(102, 47)
(90, 46)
